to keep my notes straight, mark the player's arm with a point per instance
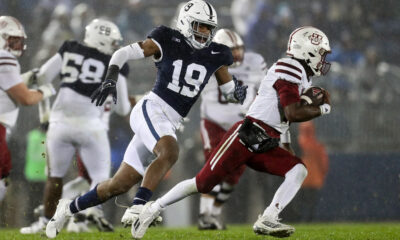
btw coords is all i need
(24, 96)
(229, 86)
(138, 50)
(123, 105)
(290, 100)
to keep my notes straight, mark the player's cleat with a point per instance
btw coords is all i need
(96, 216)
(132, 213)
(266, 225)
(36, 227)
(145, 218)
(78, 223)
(209, 222)
(57, 222)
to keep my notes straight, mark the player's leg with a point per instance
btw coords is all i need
(211, 135)
(59, 152)
(278, 162)
(224, 160)
(5, 162)
(95, 153)
(129, 173)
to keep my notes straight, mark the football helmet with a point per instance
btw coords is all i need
(103, 35)
(311, 45)
(234, 42)
(191, 16)
(12, 35)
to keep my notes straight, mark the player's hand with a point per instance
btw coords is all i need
(327, 97)
(240, 91)
(107, 87)
(30, 77)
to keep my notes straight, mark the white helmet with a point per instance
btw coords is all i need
(312, 45)
(233, 41)
(192, 14)
(12, 35)
(103, 35)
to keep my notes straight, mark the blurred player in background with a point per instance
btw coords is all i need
(13, 90)
(255, 141)
(76, 125)
(185, 59)
(218, 115)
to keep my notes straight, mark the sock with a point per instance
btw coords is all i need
(178, 192)
(142, 196)
(206, 204)
(88, 200)
(216, 210)
(287, 190)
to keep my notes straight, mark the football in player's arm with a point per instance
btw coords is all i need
(185, 59)
(255, 140)
(13, 90)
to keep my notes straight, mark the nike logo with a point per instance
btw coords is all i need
(212, 52)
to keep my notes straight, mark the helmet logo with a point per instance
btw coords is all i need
(3, 24)
(316, 39)
(188, 6)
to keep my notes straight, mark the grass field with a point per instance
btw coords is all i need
(331, 231)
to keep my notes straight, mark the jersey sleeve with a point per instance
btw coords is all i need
(160, 34)
(289, 70)
(10, 74)
(288, 92)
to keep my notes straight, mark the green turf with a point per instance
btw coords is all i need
(325, 231)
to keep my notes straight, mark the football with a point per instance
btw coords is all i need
(313, 96)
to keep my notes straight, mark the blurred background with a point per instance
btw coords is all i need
(353, 153)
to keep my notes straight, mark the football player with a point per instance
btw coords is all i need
(254, 141)
(76, 125)
(218, 115)
(185, 58)
(13, 90)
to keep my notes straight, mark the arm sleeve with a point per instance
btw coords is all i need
(50, 69)
(123, 105)
(288, 92)
(130, 52)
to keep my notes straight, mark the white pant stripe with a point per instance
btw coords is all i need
(223, 148)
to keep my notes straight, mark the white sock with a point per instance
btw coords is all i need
(206, 204)
(178, 192)
(287, 190)
(216, 210)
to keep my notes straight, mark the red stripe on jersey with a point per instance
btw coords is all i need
(289, 66)
(7, 63)
(9, 58)
(288, 73)
(288, 92)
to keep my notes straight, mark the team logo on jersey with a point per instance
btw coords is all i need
(316, 39)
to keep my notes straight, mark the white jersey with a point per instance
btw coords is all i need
(81, 69)
(10, 75)
(217, 109)
(266, 105)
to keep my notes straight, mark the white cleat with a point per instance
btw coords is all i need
(266, 225)
(57, 222)
(37, 227)
(146, 217)
(132, 213)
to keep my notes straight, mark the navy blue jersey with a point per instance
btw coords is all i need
(182, 70)
(83, 67)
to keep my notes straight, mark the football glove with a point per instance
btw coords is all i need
(109, 86)
(106, 88)
(325, 109)
(30, 77)
(240, 91)
(47, 90)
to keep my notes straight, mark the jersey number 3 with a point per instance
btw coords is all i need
(194, 77)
